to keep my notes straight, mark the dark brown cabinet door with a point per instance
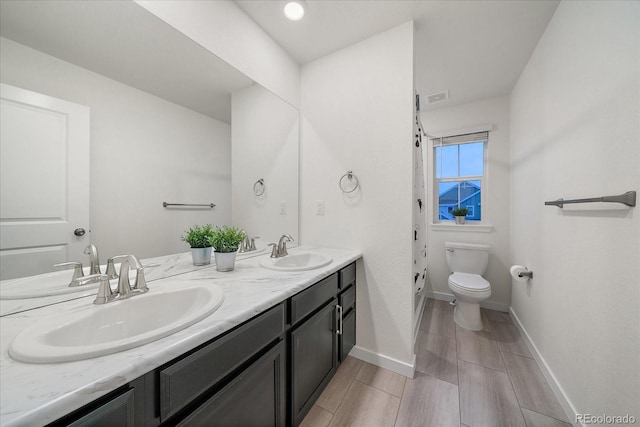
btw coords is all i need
(348, 337)
(314, 353)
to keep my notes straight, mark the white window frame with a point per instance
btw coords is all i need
(436, 142)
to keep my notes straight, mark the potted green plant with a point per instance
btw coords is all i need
(226, 241)
(199, 238)
(460, 214)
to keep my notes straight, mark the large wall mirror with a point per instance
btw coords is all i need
(168, 121)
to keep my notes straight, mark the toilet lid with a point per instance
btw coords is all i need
(470, 282)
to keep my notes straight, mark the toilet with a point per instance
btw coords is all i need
(467, 262)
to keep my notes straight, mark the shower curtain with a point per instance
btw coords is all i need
(420, 204)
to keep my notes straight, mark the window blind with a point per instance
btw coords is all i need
(462, 139)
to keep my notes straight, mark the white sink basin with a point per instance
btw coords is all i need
(97, 330)
(297, 262)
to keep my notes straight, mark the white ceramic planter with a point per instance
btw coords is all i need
(225, 261)
(201, 256)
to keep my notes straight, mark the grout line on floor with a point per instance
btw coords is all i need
(459, 391)
(482, 366)
(515, 354)
(379, 389)
(544, 415)
(438, 335)
(506, 367)
(344, 397)
(395, 420)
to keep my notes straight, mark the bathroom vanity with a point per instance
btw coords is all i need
(262, 358)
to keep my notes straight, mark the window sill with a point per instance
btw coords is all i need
(469, 228)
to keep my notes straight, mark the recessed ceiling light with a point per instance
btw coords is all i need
(294, 10)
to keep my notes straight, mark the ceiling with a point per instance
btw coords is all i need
(126, 43)
(474, 49)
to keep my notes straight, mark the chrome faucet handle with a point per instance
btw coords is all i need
(105, 293)
(111, 269)
(141, 284)
(274, 251)
(77, 271)
(252, 245)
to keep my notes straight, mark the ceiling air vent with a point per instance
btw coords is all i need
(438, 97)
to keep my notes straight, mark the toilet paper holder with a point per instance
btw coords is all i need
(520, 273)
(528, 274)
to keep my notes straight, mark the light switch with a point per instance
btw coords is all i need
(319, 207)
(283, 207)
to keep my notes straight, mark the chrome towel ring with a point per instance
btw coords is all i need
(259, 187)
(348, 183)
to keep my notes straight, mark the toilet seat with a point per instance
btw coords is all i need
(469, 282)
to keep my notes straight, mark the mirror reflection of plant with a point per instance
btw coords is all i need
(199, 236)
(459, 211)
(227, 239)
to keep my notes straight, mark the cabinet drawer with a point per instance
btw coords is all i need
(310, 299)
(186, 379)
(256, 397)
(348, 299)
(348, 276)
(118, 411)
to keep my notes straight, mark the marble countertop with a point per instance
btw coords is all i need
(36, 394)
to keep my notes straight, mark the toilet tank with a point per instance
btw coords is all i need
(467, 257)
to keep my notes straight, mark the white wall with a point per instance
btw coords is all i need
(357, 115)
(144, 150)
(575, 132)
(224, 29)
(264, 135)
(495, 199)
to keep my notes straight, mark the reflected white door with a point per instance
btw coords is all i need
(44, 182)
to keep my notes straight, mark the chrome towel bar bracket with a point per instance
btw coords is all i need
(628, 198)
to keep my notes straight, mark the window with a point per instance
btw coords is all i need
(459, 174)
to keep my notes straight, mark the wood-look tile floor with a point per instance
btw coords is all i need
(463, 378)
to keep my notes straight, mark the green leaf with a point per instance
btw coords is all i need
(227, 239)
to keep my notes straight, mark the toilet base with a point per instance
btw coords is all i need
(467, 315)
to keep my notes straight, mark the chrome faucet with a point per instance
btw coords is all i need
(94, 270)
(280, 249)
(124, 290)
(92, 251)
(248, 244)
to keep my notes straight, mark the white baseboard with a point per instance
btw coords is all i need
(402, 368)
(491, 305)
(567, 406)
